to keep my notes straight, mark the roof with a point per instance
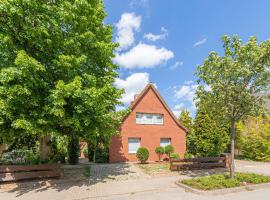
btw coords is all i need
(142, 94)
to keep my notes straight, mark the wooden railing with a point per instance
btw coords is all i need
(20, 172)
(198, 163)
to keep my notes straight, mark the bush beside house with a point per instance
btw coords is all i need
(142, 154)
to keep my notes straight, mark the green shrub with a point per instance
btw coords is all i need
(142, 154)
(254, 138)
(160, 151)
(19, 157)
(73, 150)
(187, 155)
(59, 157)
(174, 155)
(169, 149)
(219, 181)
(252, 178)
(102, 154)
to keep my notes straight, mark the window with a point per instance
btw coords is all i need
(139, 118)
(165, 141)
(133, 144)
(146, 118)
(158, 119)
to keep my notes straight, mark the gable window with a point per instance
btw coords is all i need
(158, 119)
(147, 118)
(133, 144)
(165, 141)
(139, 118)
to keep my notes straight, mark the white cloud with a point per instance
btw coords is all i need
(126, 26)
(176, 65)
(153, 37)
(133, 84)
(178, 106)
(187, 93)
(200, 42)
(143, 56)
(177, 109)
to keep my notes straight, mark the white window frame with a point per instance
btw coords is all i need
(139, 118)
(131, 149)
(149, 118)
(163, 144)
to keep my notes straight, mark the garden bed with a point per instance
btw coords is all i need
(222, 181)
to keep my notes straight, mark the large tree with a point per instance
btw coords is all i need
(56, 69)
(235, 79)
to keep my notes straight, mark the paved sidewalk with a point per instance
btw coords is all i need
(115, 172)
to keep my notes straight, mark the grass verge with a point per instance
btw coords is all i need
(155, 168)
(220, 181)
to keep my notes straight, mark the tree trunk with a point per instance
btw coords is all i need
(44, 149)
(94, 156)
(232, 165)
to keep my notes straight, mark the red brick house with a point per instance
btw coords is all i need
(150, 124)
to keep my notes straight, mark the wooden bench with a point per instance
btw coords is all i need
(21, 172)
(198, 163)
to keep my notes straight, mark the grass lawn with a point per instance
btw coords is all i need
(219, 181)
(155, 168)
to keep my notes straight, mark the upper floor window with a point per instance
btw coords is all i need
(147, 118)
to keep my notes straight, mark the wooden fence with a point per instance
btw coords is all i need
(198, 163)
(20, 172)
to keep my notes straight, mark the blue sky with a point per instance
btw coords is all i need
(163, 41)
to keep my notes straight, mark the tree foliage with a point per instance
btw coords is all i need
(254, 138)
(159, 151)
(236, 78)
(209, 137)
(185, 119)
(56, 69)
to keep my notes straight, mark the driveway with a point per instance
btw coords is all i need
(253, 167)
(126, 181)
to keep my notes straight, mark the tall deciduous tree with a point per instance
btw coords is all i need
(56, 69)
(235, 78)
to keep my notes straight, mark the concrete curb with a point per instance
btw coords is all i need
(225, 190)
